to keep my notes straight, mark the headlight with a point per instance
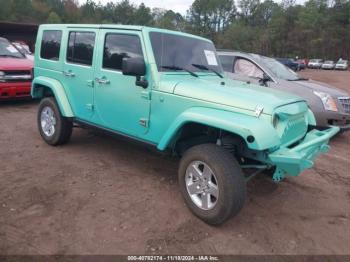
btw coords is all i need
(327, 100)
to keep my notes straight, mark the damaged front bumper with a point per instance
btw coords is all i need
(293, 160)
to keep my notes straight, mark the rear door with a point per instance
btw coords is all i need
(78, 70)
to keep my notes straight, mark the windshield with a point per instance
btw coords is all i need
(329, 62)
(279, 70)
(343, 62)
(175, 52)
(21, 48)
(8, 50)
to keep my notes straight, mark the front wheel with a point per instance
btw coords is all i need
(212, 183)
(53, 127)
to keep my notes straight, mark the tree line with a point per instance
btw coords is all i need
(315, 29)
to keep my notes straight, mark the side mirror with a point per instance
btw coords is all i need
(135, 66)
(263, 81)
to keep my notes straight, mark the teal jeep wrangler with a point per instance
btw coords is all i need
(167, 89)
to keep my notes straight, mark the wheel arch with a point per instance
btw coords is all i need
(44, 86)
(244, 126)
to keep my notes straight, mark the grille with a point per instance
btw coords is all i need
(293, 127)
(18, 76)
(17, 72)
(345, 103)
(290, 123)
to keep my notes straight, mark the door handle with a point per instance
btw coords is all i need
(102, 81)
(68, 73)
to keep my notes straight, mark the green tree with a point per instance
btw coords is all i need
(71, 11)
(90, 12)
(22, 11)
(5, 10)
(263, 13)
(207, 17)
(318, 28)
(143, 15)
(248, 8)
(124, 13)
(53, 18)
(170, 20)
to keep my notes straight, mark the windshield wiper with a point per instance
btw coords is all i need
(10, 56)
(203, 67)
(177, 68)
(299, 79)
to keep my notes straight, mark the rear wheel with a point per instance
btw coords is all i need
(53, 127)
(212, 183)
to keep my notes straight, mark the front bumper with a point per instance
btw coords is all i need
(15, 90)
(325, 119)
(293, 160)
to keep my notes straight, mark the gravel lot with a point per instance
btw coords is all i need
(103, 195)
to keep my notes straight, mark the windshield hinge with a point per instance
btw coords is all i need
(146, 95)
(144, 122)
(89, 107)
(90, 83)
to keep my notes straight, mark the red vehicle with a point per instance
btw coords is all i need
(302, 63)
(15, 72)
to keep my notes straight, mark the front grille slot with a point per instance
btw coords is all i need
(345, 103)
(17, 76)
(293, 127)
(17, 72)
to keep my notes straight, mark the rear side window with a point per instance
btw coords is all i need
(51, 44)
(81, 47)
(118, 46)
(227, 62)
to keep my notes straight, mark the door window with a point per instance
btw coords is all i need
(50, 44)
(81, 48)
(119, 46)
(247, 68)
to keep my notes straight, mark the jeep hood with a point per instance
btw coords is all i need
(234, 93)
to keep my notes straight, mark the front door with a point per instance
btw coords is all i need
(78, 70)
(120, 105)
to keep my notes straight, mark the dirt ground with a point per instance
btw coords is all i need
(103, 195)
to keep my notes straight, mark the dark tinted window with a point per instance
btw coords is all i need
(227, 62)
(118, 46)
(50, 45)
(81, 47)
(172, 50)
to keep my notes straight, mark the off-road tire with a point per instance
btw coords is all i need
(63, 126)
(231, 182)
